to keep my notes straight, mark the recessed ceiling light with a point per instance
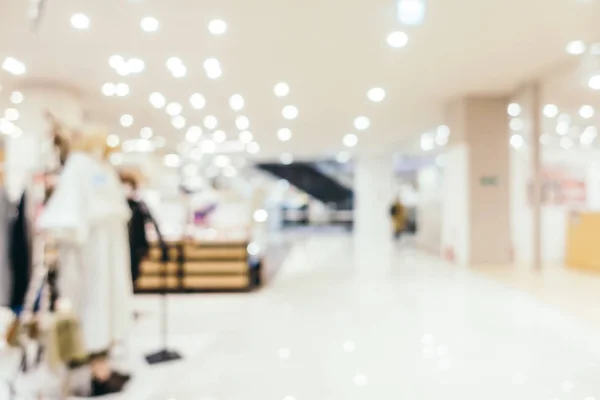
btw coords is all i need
(179, 71)
(517, 124)
(514, 109)
(350, 140)
(246, 137)
(16, 97)
(122, 89)
(149, 24)
(517, 141)
(282, 89)
(397, 39)
(174, 109)
(12, 114)
(236, 102)
(197, 101)
(210, 122)
(550, 110)
(115, 61)
(290, 112)
(6, 126)
(212, 66)
(576, 47)
(113, 141)
(208, 146)
(109, 89)
(594, 82)
(242, 122)
(222, 161)
(126, 120)
(146, 132)
(427, 141)
(214, 73)
(157, 100)
(217, 27)
(442, 135)
(172, 160)
(13, 66)
(178, 122)
(219, 136)
(361, 123)
(135, 65)
(411, 12)
(376, 95)
(193, 134)
(286, 159)
(174, 62)
(80, 21)
(586, 111)
(284, 134)
(253, 148)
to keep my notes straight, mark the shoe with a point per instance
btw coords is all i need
(110, 386)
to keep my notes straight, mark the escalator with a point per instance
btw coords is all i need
(308, 178)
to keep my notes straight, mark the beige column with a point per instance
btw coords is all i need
(476, 203)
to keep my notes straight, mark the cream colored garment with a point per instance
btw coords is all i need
(88, 214)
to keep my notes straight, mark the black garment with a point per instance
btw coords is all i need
(20, 255)
(138, 242)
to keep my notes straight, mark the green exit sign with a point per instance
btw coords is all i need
(489, 181)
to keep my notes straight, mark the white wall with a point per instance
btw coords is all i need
(429, 209)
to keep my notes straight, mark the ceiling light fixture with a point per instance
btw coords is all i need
(172, 160)
(11, 114)
(113, 141)
(157, 100)
(397, 40)
(362, 123)
(178, 122)
(282, 89)
(219, 136)
(126, 120)
(146, 133)
(350, 140)
(427, 141)
(212, 67)
(135, 65)
(242, 123)
(16, 97)
(109, 89)
(193, 134)
(13, 66)
(586, 111)
(80, 21)
(122, 89)
(245, 137)
(442, 135)
(284, 134)
(550, 110)
(149, 24)
(376, 95)
(594, 82)
(576, 47)
(411, 12)
(286, 159)
(290, 112)
(174, 109)
(517, 141)
(210, 122)
(514, 109)
(115, 61)
(253, 148)
(197, 101)
(217, 27)
(236, 102)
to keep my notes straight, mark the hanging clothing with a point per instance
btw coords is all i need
(88, 215)
(20, 254)
(6, 270)
(138, 241)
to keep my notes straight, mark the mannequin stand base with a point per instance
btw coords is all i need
(163, 356)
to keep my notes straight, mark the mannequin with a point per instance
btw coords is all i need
(87, 215)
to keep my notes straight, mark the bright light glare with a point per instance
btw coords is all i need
(219, 136)
(217, 27)
(376, 95)
(197, 101)
(246, 137)
(411, 12)
(172, 160)
(109, 89)
(174, 109)
(517, 124)
(149, 24)
(80, 21)
(550, 110)
(517, 141)
(594, 82)
(16, 97)
(284, 134)
(286, 159)
(113, 141)
(13, 66)
(236, 102)
(514, 109)
(290, 112)
(361, 123)
(586, 111)
(427, 141)
(397, 39)
(126, 120)
(210, 122)
(282, 89)
(253, 148)
(242, 123)
(350, 140)
(576, 47)
(261, 215)
(157, 100)
(193, 134)
(122, 89)
(178, 122)
(146, 132)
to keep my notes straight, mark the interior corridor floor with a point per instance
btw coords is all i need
(346, 322)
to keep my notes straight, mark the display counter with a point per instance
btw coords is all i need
(583, 241)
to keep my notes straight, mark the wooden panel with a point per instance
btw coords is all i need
(582, 241)
(215, 253)
(219, 267)
(155, 267)
(156, 282)
(216, 282)
(155, 253)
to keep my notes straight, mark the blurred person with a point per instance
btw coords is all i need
(398, 215)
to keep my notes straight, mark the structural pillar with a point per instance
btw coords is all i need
(27, 152)
(476, 198)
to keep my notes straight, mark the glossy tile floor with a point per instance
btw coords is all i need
(346, 321)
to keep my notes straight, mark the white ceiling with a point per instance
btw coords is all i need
(330, 53)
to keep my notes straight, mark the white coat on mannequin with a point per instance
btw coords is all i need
(88, 215)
